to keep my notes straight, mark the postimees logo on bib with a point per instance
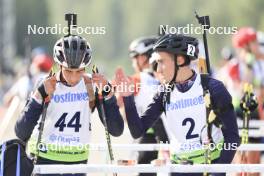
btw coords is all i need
(185, 103)
(70, 97)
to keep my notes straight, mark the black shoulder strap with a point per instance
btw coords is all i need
(166, 96)
(41, 129)
(205, 81)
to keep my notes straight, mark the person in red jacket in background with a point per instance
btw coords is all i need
(40, 66)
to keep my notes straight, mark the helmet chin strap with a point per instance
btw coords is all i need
(171, 83)
(176, 68)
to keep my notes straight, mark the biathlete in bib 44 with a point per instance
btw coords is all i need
(182, 100)
(67, 129)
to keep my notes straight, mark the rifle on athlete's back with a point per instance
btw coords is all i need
(205, 71)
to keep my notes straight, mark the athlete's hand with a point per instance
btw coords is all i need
(46, 88)
(124, 85)
(99, 80)
(119, 98)
(87, 80)
(50, 84)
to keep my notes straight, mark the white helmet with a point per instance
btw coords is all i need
(72, 52)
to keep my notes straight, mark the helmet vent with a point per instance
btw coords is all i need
(82, 47)
(66, 44)
(86, 58)
(74, 45)
(61, 57)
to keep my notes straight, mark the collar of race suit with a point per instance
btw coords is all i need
(186, 85)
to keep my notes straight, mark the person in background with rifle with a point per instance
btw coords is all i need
(248, 105)
(184, 105)
(65, 101)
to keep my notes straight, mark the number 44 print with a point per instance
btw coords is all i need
(73, 123)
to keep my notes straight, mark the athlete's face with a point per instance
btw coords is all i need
(165, 65)
(139, 62)
(72, 76)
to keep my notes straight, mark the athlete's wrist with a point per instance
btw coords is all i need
(126, 94)
(109, 96)
(37, 97)
(107, 90)
(42, 91)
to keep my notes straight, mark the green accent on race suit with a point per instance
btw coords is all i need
(236, 102)
(150, 131)
(197, 156)
(62, 153)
